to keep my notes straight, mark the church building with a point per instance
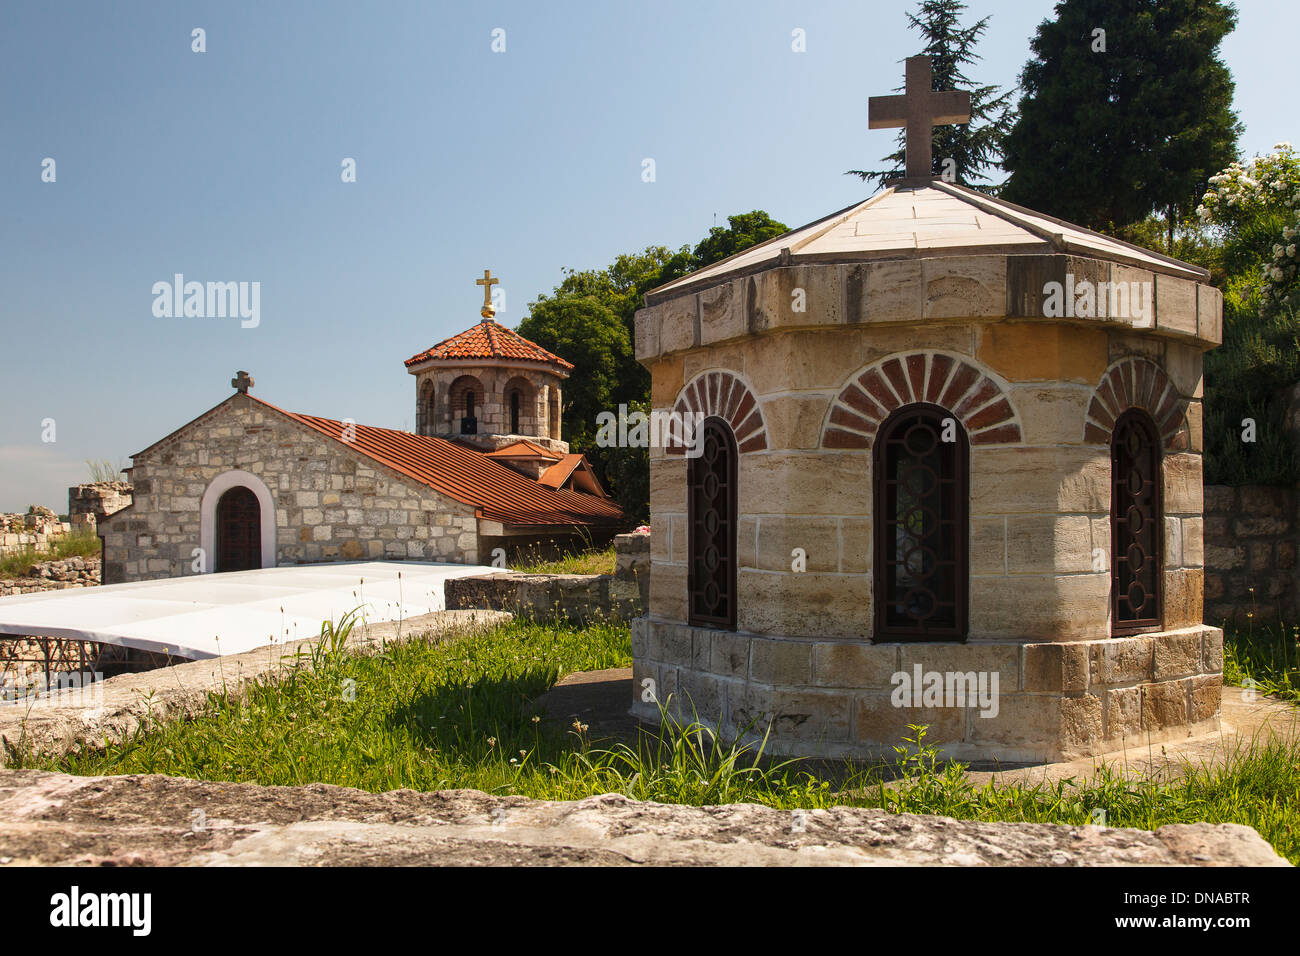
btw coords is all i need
(250, 485)
(950, 476)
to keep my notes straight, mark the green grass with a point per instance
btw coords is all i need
(1269, 655)
(586, 562)
(80, 544)
(460, 713)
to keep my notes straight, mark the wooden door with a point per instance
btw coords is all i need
(239, 531)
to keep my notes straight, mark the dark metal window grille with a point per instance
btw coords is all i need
(1136, 524)
(711, 500)
(922, 499)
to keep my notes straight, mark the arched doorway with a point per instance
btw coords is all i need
(239, 530)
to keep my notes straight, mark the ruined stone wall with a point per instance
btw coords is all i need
(36, 529)
(89, 503)
(1251, 534)
(331, 504)
(53, 575)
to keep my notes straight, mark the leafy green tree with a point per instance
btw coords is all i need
(1253, 211)
(584, 330)
(743, 230)
(1126, 109)
(974, 148)
(589, 320)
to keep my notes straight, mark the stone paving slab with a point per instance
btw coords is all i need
(56, 819)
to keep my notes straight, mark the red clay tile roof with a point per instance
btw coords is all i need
(468, 476)
(523, 449)
(489, 340)
(558, 474)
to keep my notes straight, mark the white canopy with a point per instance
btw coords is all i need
(211, 615)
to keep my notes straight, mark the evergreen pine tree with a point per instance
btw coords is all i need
(975, 147)
(1126, 110)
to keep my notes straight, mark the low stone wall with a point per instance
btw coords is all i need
(577, 598)
(54, 575)
(632, 563)
(1251, 535)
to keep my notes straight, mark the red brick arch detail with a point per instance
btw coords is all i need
(1137, 383)
(974, 398)
(725, 396)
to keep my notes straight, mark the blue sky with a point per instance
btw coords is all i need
(225, 166)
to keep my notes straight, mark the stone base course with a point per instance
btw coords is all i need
(832, 698)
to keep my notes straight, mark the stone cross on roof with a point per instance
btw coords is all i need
(242, 382)
(918, 110)
(487, 282)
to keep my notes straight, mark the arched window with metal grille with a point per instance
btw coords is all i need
(711, 528)
(922, 504)
(1136, 524)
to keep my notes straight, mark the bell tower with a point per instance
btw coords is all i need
(489, 387)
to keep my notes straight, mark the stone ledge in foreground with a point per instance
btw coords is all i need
(57, 819)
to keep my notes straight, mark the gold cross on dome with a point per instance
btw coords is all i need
(918, 110)
(487, 282)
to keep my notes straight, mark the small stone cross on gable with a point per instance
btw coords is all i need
(918, 110)
(242, 382)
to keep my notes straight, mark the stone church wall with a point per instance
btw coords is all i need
(1251, 534)
(1035, 402)
(331, 504)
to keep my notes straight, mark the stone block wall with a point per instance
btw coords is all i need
(1251, 536)
(577, 598)
(832, 698)
(37, 529)
(54, 575)
(1039, 472)
(89, 503)
(806, 390)
(331, 504)
(632, 568)
(440, 400)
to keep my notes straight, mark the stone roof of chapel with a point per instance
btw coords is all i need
(489, 340)
(932, 219)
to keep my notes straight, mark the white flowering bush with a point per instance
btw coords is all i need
(1255, 209)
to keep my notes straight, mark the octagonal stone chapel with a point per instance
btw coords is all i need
(950, 474)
